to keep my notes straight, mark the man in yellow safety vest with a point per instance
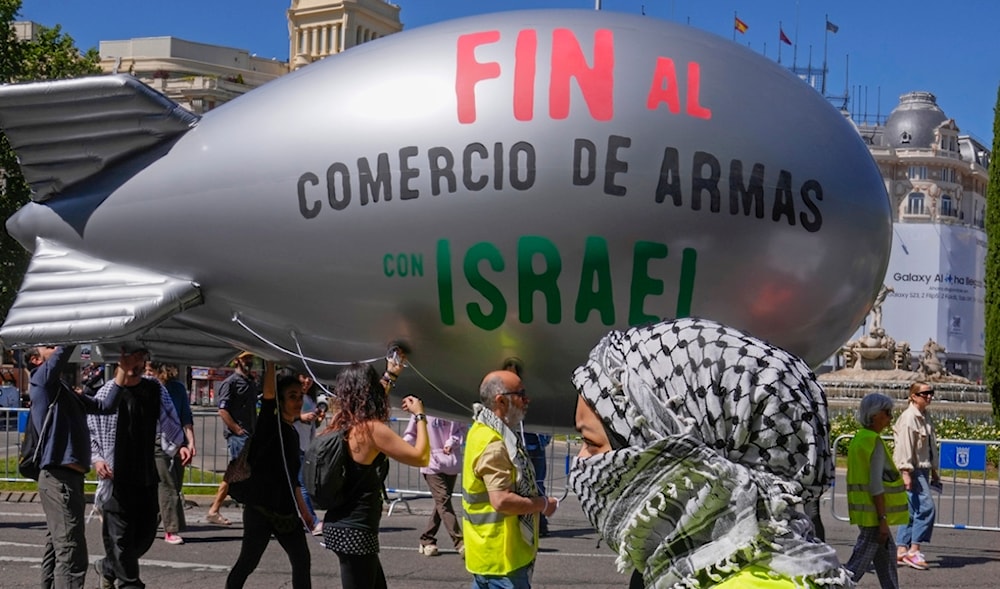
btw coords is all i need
(499, 494)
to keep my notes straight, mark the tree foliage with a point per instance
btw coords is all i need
(991, 363)
(50, 55)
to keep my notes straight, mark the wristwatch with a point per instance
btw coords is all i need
(420, 417)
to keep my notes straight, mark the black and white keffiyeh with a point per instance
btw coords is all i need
(525, 484)
(724, 434)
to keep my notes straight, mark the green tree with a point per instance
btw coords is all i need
(991, 363)
(50, 55)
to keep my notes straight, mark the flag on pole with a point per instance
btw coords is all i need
(831, 27)
(740, 25)
(783, 37)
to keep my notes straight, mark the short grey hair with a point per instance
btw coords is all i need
(872, 405)
(489, 390)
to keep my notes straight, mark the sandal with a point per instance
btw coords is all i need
(217, 519)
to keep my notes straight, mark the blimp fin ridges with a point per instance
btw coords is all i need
(66, 131)
(176, 343)
(69, 297)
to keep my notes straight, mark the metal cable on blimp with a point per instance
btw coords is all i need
(306, 360)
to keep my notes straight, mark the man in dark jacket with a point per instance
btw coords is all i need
(65, 459)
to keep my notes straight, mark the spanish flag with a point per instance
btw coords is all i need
(740, 25)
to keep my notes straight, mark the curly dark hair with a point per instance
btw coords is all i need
(360, 395)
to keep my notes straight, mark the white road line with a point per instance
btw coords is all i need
(142, 562)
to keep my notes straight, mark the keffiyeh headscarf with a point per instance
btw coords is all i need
(723, 435)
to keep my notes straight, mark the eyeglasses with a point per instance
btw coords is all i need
(521, 393)
(926, 394)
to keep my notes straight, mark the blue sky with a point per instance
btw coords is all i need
(881, 50)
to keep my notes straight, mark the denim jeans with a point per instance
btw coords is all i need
(235, 444)
(519, 579)
(922, 511)
(302, 484)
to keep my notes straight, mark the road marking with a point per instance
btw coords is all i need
(192, 566)
(212, 567)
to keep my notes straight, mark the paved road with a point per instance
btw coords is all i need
(570, 558)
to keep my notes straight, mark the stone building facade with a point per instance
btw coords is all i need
(936, 179)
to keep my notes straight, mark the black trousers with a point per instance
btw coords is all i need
(257, 532)
(361, 572)
(131, 516)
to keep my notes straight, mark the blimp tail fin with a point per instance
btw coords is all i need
(68, 297)
(66, 131)
(172, 342)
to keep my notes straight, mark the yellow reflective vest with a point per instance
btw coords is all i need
(860, 505)
(758, 577)
(494, 544)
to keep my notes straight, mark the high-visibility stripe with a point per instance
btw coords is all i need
(491, 517)
(871, 507)
(474, 498)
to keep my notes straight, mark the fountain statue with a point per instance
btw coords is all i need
(877, 357)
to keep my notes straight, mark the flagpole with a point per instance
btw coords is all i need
(597, 4)
(780, 32)
(735, 16)
(795, 47)
(826, 34)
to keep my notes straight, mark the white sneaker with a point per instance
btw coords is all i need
(318, 530)
(428, 549)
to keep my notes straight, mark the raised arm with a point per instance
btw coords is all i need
(395, 447)
(269, 386)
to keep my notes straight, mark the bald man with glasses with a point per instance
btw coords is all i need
(499, 493)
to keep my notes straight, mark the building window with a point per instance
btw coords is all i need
(915, 203)
(918, 172)
(946, 206)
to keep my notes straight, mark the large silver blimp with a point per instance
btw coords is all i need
(512, 184)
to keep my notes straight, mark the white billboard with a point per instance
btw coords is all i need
(937, 272)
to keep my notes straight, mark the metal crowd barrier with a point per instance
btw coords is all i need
(403, 485)
(971, 496)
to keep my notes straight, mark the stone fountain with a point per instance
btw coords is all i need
(876, 362)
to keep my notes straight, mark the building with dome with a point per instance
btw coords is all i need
(936, 179)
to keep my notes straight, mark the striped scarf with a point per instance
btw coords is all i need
(722, 435)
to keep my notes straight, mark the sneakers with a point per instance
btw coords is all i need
(217, 519)
(106, 583)
(172, 538)
(318, 530)
(915, 560)
(428, 549)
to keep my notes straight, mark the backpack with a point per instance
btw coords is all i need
(31, 447)
(325, 468)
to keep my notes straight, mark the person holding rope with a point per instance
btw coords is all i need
(350, 530)
(276, 506)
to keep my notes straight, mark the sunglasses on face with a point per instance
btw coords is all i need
(521, 393)
(926, 394)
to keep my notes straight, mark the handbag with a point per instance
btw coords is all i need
(238, 475)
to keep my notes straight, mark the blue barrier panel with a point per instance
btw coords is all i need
(963, 456)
